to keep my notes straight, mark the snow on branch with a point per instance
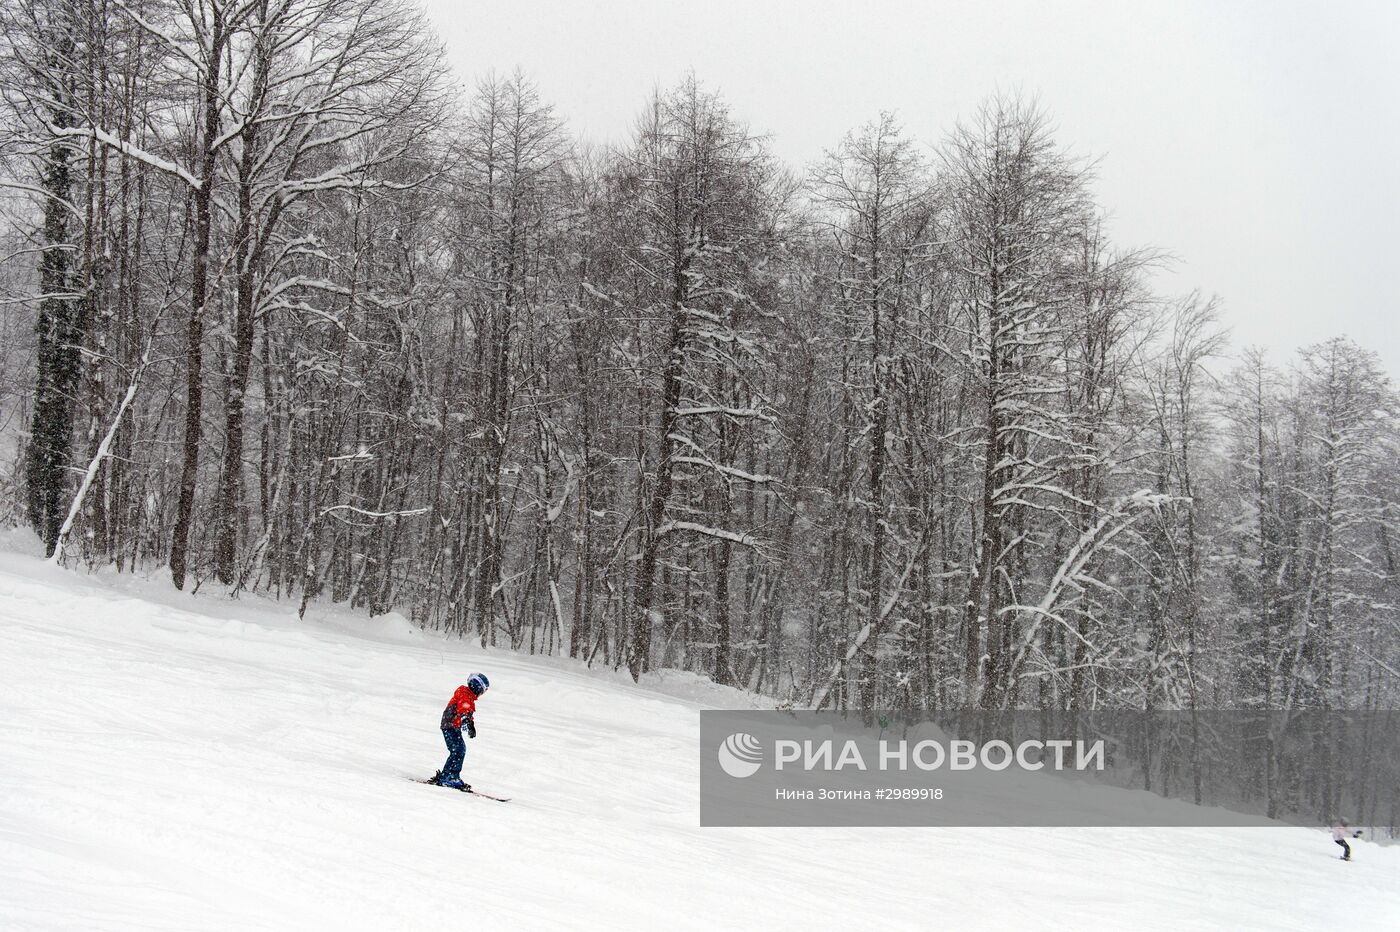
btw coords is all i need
(721, 409)
(732, 471)
(409, 513)
(1070, 574)
(126, 148)
(671, 527)
(822, 696)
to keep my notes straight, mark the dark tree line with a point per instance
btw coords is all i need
(287, 313)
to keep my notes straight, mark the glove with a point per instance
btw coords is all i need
(470, 726)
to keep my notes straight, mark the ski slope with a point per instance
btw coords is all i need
(170, 761)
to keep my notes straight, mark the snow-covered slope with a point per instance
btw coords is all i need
(173, 762)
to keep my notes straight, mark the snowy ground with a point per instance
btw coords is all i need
(172, 762)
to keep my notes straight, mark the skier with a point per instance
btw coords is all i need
(458, 715)
(1340, 833)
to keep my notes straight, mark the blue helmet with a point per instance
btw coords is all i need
(478, 683)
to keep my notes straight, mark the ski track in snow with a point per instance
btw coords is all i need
(178, 762)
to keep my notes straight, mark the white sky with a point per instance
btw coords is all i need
(1257, 142)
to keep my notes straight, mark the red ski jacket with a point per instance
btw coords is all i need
(460, 709)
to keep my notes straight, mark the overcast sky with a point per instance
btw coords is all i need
(1257, 142)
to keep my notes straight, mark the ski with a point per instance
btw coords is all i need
(473, 792)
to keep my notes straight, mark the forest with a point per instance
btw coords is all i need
(287, 310)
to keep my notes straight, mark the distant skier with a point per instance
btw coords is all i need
(1340, 833)
(458, 715)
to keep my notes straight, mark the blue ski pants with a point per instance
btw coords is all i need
(456, 753)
